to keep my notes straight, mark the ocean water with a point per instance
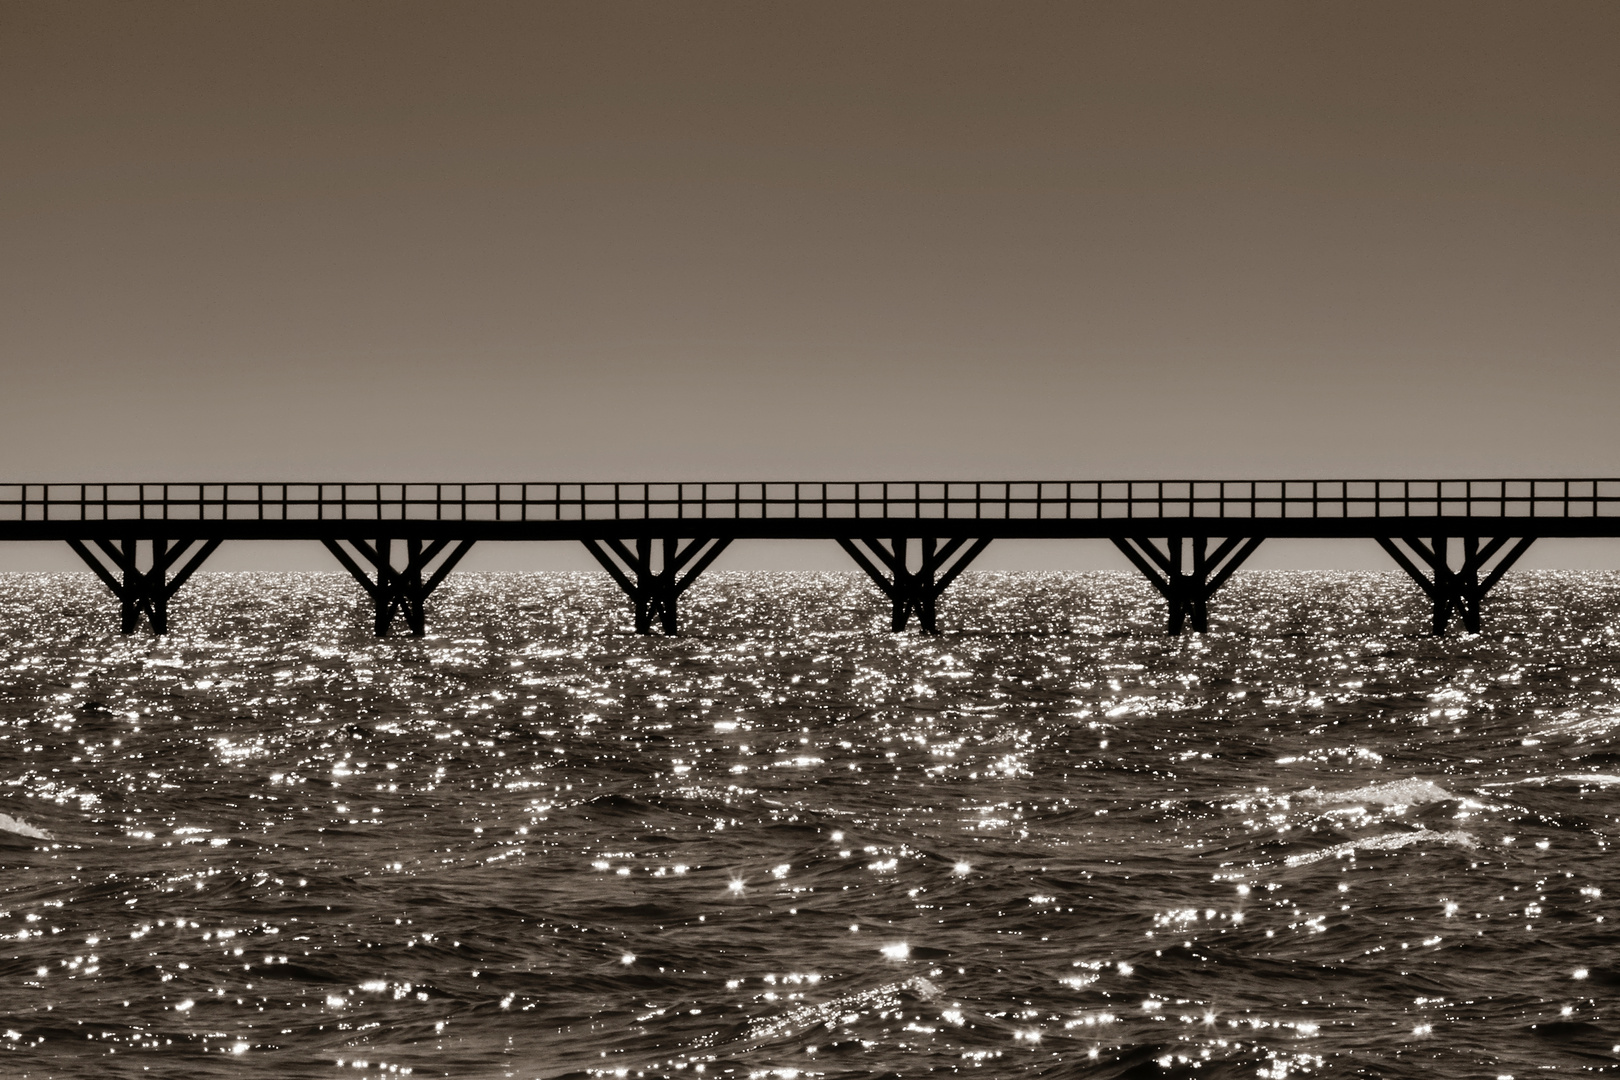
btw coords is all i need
(787, 843)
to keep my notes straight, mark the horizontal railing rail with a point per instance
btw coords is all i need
(1217, 500)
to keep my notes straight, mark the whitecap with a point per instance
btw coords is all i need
(1408, 792)
(1582, 727)
(22, 828)
(845, 1008)
(1387, 842)
(1600, 779)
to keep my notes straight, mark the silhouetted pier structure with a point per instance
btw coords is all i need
(1455, 538)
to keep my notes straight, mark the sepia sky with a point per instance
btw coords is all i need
(820, 240)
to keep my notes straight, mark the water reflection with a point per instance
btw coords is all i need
(533, 844)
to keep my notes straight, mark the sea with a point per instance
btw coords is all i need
(1049, 841)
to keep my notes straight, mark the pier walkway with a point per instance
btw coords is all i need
(1455, 538)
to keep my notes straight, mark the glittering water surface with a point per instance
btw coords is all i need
(790, 843)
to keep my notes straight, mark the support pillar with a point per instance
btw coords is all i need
(1458, 591)
(395, 590)
(143, 592)
(1186, 572)
(914, 592)
(655, 584)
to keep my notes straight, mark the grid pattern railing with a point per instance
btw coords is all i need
(944, 500)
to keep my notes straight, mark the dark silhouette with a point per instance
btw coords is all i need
(399, 591)
(654, 592)
(655, 539)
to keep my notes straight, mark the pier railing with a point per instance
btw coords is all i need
(913, 538)
(954, 501)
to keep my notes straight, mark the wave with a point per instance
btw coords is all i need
(1600, 779)
(1387, 842)
(22, 828)
(845, 1008)
(1408, 792)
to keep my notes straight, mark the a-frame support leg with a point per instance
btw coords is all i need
(655, 585)
(1186, 572)
(914, 592)
(143, 592)
(1459, 591)
(399, 591)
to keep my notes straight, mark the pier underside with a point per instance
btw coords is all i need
(143, 591)
(914, 591)
(1458, 591)
(654, 574)
(1456, 573)
(1186, 572)
(399, 590)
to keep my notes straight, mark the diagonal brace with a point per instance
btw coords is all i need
(1461, 590)
(914, 592)
(144, 592)
(398, 591)
(1186, 573)
(655, 584)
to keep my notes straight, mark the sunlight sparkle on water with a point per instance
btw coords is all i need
(533, 793)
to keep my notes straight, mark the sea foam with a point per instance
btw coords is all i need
(1408, 792)
(1387, 842)
(22, 828)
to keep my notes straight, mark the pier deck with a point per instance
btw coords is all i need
(1454, 537)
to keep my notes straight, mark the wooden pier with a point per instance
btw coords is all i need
(1455, 538)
